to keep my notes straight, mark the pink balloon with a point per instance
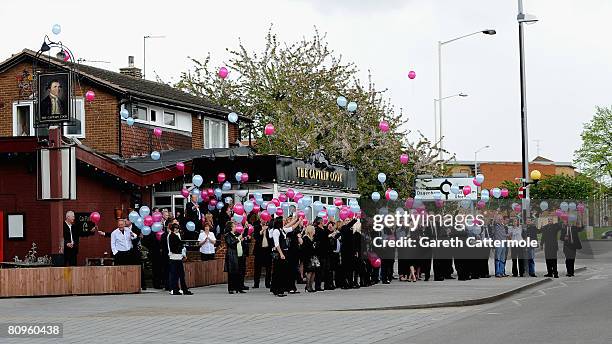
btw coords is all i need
(387, 194)
(223, 72)
(376, 263)
(580, 208)
(517, 208)
(213, 202)
(301, 214)
(383, 126)
(245, 177)
(238, 209)
(205, 198)
(475, 182)
(298, 196)
(404, 159)
(467, 190)
(157, 216)
(409, 203)
(276, 202)
(344, 214)
(148, 220)
(90, 96)
(158, 235)
(325, 219)
(180, 166)
(564, 216)
(304, 222)
(265, 215)
(282, 198)
(358, 214)
(220, 178)
(504, 192)
(558, 212)
(256, 209)
(251, 229)
(279, 212)
(66, 55)
(185, 192)
(338, 202)
(239, 229)
(290, 193)
(210, 192)
(157, 132)
(269, 129)
(411, 75)
(481, 204)
(95, 217)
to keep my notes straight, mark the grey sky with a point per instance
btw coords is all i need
(568, 55)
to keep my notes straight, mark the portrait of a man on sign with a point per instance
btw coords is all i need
(54, 92)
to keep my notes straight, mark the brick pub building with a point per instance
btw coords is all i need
(114, 171)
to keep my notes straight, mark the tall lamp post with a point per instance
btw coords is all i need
(476, 159)
(436, 113)
(440, 44)
(524, 18)
(144, 54)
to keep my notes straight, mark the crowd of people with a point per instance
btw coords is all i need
(329, 254)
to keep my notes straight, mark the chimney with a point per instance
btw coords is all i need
(130, 70)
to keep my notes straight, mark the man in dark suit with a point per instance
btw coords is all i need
(53, 104)
(550, 242)
(194, 214)
(72, 237)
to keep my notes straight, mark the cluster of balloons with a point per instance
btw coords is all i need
(344, 103)
(566, 211)
(146, 221)
(390, 194)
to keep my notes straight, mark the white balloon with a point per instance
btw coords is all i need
(564, 206)
(454, 189)
(382, 177)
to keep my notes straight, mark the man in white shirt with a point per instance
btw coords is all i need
(121, 243)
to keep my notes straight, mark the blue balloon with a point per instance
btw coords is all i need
(355, 208)
(353, 201)
(454, 189)
(321, 214)
(382, 177)
(393, 195)
(259, 201)
(317, 206)
(271, 208)
(300, 204)
(197, 180)
(238, 176)
(56, 29)
(332, 210)
(190, 226)
(351, 107)
(218, 193)
(139, 222)
(341, 101)
(237, 218)
(144, 211)
(146, 230)
(226, 186)
(129, 121)
(124, 113)
(211, 208)
(307, 201)
(232, 117)
(133, 216)
(308, 212)
(228, 200)
(155, 155)
(196, 191)
(220, 205)
(248, 206)
(257, 195)
(157, 226)
(375, 196)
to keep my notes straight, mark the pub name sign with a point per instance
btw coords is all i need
(318, 174)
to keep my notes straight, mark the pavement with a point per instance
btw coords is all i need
(396, 312)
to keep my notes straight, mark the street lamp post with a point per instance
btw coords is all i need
(476, 160)
(524, 18)
(440, 44)
(436, 113)
(144, 54)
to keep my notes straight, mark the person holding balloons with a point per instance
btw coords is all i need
(280, 273)
(194, 214)
(121, 244)
(72, 237)
(571, 242)
(176, 251)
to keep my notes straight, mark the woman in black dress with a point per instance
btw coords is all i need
(232, 258)
(311, 261)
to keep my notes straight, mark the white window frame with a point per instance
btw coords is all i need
(208, 135)
(147, 115)
(79, 103)
(30, 104)
(164, 119)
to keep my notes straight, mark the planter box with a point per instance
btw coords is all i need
(199, 273)
(80, 280)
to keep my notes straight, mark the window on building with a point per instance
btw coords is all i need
(169, 118)
(140, 113)
(153, 116)
(23, 124)
(215, 134)
(77, 128)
